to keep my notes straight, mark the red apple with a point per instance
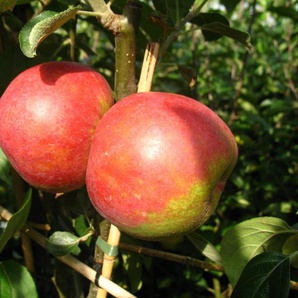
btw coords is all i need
(158, 164)
(48, 118)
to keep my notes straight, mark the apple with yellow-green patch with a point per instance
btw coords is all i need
(158, 164)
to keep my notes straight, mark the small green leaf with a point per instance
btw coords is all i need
(250, 238)
(16, 281)
(63, 243)
(132, 264)
(266, 275)
(223, 30)
(4, 167)
(7, 5)
(39, 28)
(17, 220)
(205, 247)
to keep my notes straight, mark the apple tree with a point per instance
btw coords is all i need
(223, 76)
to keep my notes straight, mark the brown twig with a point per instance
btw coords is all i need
(185, 260)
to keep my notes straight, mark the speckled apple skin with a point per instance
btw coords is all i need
(158, 164)
(48, 118)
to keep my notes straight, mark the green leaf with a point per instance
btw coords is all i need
(230, 5)
(7, 5)
(132, 265)
(250, 238)
(223, 30)
(175, 10)
(16, 281)
(266, 275)
(17, 220)
(290, 247)
(4, 168)
(63, 243)
(207, 18)
(39, 28)
(205, 247)
(284, 11)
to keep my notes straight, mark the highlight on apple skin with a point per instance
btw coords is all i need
(49, 114)
(158, 164)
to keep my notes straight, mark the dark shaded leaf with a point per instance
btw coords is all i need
(209, 17)
(223, 30)
(230, 5)
(284, 11)
(188, 74)
(16, 281)
(266, 275)
(17, 220)
(174, 10)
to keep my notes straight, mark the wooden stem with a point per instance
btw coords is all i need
(148, 67)
(108, 261)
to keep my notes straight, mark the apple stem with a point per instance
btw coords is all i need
(125, 50)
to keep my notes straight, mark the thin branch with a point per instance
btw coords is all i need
(185, 260)
(104, 14)
(196, 9)
(125, 58)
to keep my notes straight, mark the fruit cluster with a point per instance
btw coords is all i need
(154, 164)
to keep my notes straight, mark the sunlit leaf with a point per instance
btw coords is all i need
(266, 275)
(16, 281)
(250, 238)
(40, 27)
(16, 221)
(63, 243)
(291, 246)
(205, 247)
